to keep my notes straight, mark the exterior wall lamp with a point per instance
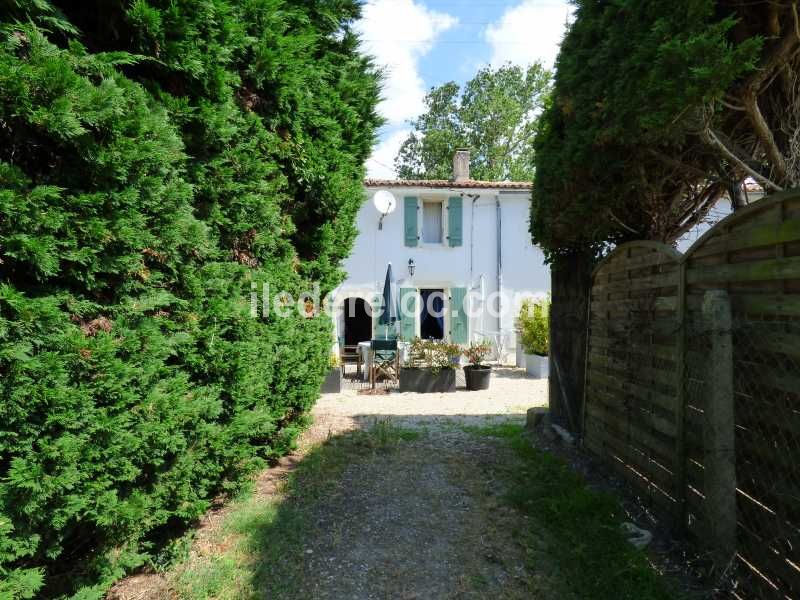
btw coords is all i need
(411, 267)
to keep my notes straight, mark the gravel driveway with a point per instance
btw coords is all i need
(509, 396)
(424, 521)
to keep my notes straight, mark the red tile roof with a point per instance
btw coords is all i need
(448, 184)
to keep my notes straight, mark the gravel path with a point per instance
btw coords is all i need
(424, 521)
(420, 522)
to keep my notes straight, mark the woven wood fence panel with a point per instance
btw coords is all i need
(693, 389)
(632, 368)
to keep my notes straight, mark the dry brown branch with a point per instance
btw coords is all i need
(674, 162)
(714, 140)
(621, 224)
(778, 58)
(730, 105)
(764, 133)
(702, 203)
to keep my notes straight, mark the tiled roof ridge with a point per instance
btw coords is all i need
(447, 183)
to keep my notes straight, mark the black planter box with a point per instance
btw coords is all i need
(425, 381)
(477, 377)
(333, 382)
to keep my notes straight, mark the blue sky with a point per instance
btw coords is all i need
(424, 43)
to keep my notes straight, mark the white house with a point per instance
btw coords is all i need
(723, 207)
(453, 244)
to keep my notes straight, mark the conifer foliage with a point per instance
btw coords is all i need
(159, 159)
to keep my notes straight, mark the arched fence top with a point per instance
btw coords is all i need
(668, 251)
(740, 217)
(743, 214)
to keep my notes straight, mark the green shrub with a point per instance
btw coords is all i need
(534, 326)
(158, 160)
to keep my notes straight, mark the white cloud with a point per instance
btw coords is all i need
(381, 164)
(398, 33)
(530, 31)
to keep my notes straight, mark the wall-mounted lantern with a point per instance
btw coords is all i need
(411, 266)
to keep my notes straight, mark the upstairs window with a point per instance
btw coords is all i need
(432, 222)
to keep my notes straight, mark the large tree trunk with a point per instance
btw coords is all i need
(571, 285)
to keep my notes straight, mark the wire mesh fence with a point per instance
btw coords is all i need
(693, 391)
(743, 450)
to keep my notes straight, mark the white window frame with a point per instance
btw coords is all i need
(443, 202)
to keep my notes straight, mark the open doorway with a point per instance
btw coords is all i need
(431, 318)
(357, 322)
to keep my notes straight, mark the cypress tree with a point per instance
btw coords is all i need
(158, 160)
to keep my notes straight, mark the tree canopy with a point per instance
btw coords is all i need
(495, 116)
(658, 109)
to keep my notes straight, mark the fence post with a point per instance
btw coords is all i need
(718, 433)
(680, 408)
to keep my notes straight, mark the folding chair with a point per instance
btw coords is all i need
(385, 361)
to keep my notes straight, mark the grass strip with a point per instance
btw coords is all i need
(581, 526)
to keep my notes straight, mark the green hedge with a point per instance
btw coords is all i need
(157, 160)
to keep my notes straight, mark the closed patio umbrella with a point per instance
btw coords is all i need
(390, 312)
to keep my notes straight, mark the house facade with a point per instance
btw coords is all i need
(461, 257)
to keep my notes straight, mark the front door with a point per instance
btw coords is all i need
(431, 317)
(357, 322)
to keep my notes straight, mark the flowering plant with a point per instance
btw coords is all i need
(433, 354)
(477, 352)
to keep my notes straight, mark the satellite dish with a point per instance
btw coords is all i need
(384, 201)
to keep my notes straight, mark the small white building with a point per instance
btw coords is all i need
(453, 245)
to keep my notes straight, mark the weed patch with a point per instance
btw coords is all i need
(580, 526)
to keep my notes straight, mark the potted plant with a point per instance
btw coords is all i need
(476, 373)
(430, 367)
(520, 351)
(333, 378)
(534, 323)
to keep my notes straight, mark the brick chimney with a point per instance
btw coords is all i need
(461, 165)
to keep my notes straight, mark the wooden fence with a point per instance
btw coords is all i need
(693, 388)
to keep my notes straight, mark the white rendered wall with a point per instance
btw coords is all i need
(440, 266)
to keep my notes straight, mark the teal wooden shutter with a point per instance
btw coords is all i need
(408, 321)
(455, 220)
(410, 216)
(459, 319)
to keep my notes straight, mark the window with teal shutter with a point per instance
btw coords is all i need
(459, 319)
(410, 216)
(408, 312)
(455, 218)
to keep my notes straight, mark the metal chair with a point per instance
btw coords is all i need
(385, 361)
